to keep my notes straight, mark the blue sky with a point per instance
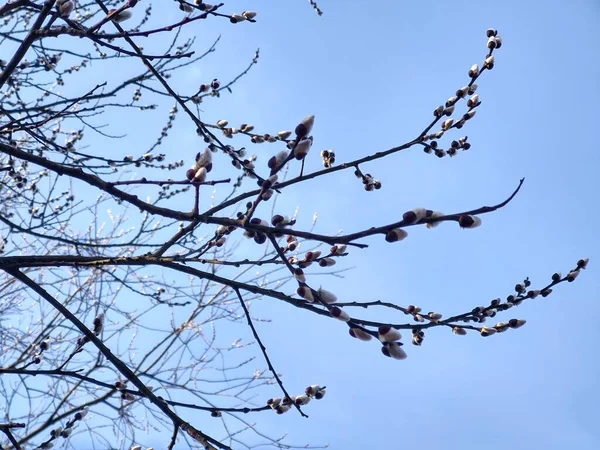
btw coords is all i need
(372, 73)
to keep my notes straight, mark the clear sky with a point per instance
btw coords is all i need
(372, 73)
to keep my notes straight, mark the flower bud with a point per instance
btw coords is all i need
(490, 312)
(460, 93)
(501, 327)
(489, 62)
(459, 331)
(434, 215)
(266, 195)
(393, 350)
(302, 400)
(474, 71)
(277, 160)
(388, 334)
(302, 148)
(572, 275)
(582, 263)
(266, 184)
(284, 134)
(45, 344)
(260, 238)
(249, 14)
(438, 111)
(320, 393)
(200, 175)
(274, 402)
(473, 101)
(327, 262)
(395, 235)
(491, 32)
(312, 255)
(98, 323)
(299, 275)
(469, 114)
(312, 390)
(451, 101)
(485, 331)
(338, 249)
(304, 128)
(222, 123)
(556, 277)
(65, 8)
(360, 334)
(447, 124)
(466, 221)
(204, 159)
(326, 296)
(122, 16)
(281, 409)
(306, 293)
(339, 314)
(516, 323)
(235, 18)
(434, 316)
(81, 414)
(414, 215)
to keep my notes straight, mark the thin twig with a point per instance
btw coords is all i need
(264, 351)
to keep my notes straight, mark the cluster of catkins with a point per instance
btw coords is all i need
(328, 158)
(121, 386)
(98, 326)
(282, 405)
(494, 42)
(63, 432)
(418, 214)
(389, 337)
(368, 181)
(37, 357)
(197, 173)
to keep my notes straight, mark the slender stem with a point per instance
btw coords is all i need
(264, 351)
